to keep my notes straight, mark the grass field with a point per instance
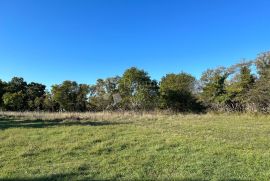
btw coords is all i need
(114, 146)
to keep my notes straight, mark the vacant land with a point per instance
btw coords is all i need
(113, 146)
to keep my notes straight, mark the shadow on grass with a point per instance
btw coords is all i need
(61, 177)
(6, 123)
(55, 177)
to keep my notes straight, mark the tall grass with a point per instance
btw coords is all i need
(110, 116)
(114, 115)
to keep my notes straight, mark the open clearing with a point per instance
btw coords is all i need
(136, 147)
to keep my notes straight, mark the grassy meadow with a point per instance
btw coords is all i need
(129, 146)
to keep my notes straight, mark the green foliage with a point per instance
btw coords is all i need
(82, 97)
(35, 90)
(228, 89)
(101, 94)
(138, 90)
(2, 92)
(15, 97)
(66, 95)
(14, 101)
(17, 84)
(35, 94)
(263, 65)
(235, 88)
(71, 96)
(259, 95)
(213, 85)
(177, 93)
(237, 91)
(50, 103)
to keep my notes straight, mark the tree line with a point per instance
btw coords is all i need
(244, 87)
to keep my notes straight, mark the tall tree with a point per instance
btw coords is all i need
(177, 92)
(138, 90)
(260, 94)
(14, 101)
(2, 92)
(101, 94)
(213, 86)
(50, 103)
(15, 88)
(16, 84)
(82, 97)
(263, 65)
(35, 95)
(66, 95)
(70, 96)
(237, 90)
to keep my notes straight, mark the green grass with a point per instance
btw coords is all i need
(191, 147)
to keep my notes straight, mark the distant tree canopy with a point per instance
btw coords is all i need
(244, 87)
(17, 95)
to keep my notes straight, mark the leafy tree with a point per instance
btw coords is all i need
(234, 88)
(66, 95)
(39, 103)
(82, 97)
(35, 90)
(35, 95)
(176, 92)
(237, 90)
(138, 90)
(70, 96)
(101, 94)
(2, 92)
(17, 84)
(213, 86)
(259, 96)
(50, 104)
(246, 79)
(263, 65)
(14, 101)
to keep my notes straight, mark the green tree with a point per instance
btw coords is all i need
(35, 94)
(263, 65)
(2, 92)
(137, 89)
(66, 95)
(259, 95)
(82, 97)
(177, 93)
(50, 104)
(101, 94)
(70, 96)
(14, 101)
(213, 86)
(16, 84)
(237, 91)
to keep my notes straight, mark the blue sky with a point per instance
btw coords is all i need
(50, 41)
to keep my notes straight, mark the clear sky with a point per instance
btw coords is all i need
(49, 41)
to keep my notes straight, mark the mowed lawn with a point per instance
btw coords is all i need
(180, 147)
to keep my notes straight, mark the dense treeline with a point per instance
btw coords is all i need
(244, 87)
